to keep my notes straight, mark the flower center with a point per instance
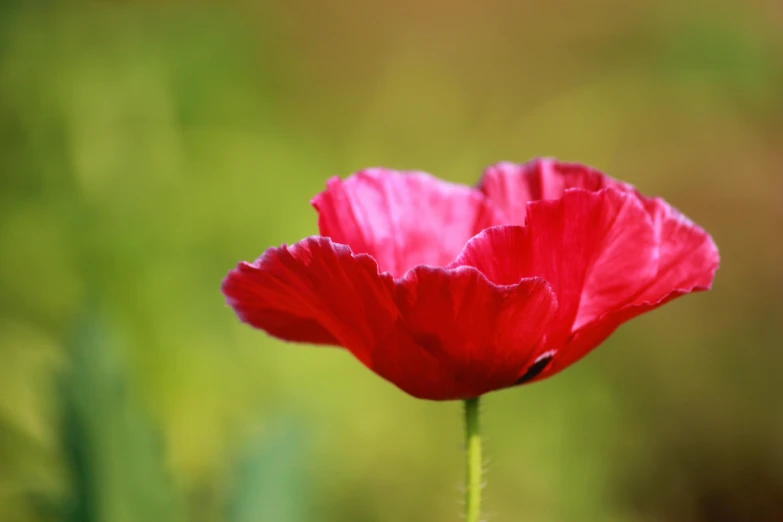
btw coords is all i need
(537, 367)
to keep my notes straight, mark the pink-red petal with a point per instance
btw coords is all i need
(402, 219)
(688, 257)
(313, 291)
(511, 186)
(597, 250)
(437, 334)
(688, 260)
(485, 333)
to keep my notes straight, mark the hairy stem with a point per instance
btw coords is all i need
(472, 461)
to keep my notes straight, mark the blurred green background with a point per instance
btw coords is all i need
(146, 147)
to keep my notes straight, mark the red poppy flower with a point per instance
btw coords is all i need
(450, 291)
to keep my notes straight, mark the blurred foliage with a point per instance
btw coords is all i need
(270, 481)
(147, 147)
(108, 445)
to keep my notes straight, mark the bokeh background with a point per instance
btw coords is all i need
(146, 147)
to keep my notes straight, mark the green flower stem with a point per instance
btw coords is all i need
(472, 461)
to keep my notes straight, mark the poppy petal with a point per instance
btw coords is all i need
(511, 186)
(402, 219)
(313, 291)
(688, 256)
(687, 263)
(483, 333)
(596, 249)
(435, 333)
(500, 253)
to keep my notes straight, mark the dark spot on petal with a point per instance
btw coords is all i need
(534, 369)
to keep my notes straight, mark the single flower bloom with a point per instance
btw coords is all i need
(450, 291)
